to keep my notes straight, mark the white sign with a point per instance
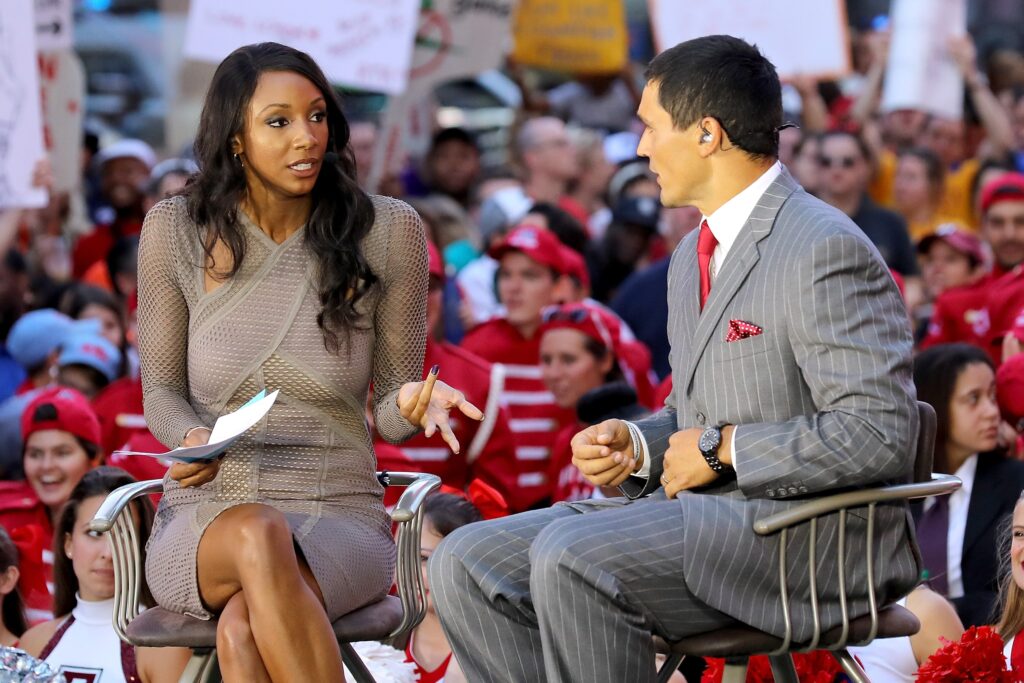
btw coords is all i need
(360, 43)
(798, 36)
(21, 126)
(921, 73)
(62, 77)
(455, 39)
(54, 25)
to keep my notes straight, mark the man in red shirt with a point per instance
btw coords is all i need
(981, 313)
(531, 276)
(124, 168)
(487, 446)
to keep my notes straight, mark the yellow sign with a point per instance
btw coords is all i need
(580, 36)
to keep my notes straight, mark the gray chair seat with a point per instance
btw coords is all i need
(158, 627)
(743, 641)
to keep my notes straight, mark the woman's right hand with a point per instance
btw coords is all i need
(195, 473)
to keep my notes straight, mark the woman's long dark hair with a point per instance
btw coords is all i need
(342, 213)
(97, 482)
(935, 373)
(13, 609)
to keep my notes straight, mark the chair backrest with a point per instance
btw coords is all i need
(925, 454)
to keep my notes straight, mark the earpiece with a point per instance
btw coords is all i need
(706, 138)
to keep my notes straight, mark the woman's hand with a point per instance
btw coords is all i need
(195, 473)
(426, 404)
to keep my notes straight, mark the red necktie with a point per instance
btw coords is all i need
(706, 244)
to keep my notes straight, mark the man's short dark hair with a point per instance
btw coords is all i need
(727, 79)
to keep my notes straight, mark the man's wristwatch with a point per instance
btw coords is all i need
(709, 443)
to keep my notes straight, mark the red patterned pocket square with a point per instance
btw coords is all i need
(740, 329)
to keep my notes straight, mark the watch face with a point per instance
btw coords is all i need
(710, 440)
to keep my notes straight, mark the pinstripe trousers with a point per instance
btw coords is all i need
(569, 593)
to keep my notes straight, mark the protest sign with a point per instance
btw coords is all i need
(54, 25)
(455, 39)
(921, 74)
(62, 81)
(579, 36)
(21, 127)
(800, 37)
(358, 43)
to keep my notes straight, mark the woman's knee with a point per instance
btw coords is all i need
(234, 633)
(262, 531)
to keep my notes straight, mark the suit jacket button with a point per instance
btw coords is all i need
(793, 490)
(700, 418)
(771, 493)
(803, 489)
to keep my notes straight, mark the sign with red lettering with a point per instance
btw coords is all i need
(359, 43)
(62, 78)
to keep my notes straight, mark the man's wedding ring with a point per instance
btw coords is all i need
(664, 480)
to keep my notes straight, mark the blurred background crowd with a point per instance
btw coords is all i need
(548, 265)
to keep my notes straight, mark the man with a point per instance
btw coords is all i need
(124, 168)
(548, 159)
(980, 312)
(845, 167)
(453, 164)
(531, 276)
(814, 394)
(487, 446)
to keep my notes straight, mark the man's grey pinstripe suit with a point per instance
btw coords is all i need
(822, 400)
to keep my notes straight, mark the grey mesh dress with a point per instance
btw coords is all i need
(311, 456)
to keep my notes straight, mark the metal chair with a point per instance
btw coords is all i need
(391, 617)
(738, 642)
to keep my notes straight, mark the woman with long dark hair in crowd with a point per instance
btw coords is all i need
(957, 533)
(12, 610)
(82, 639)
(276, 271)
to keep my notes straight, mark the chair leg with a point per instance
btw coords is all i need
(670, 666)
(851, 666)
(354, 664)
(735, 671)
(201, 668)
(783, 669)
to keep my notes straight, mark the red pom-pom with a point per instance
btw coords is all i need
(977, 656)
(816, 667)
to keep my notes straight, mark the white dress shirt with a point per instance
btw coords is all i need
(725, 224)
(959, 502)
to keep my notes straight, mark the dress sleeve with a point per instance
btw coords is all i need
(400, 322)
(163, 328)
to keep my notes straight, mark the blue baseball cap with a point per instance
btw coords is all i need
(92, 350)
(36, 335)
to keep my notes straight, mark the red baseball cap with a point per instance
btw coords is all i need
(588, 320)
(575, 266)
(1010, 389)
(956, 237)
(64, 409)
(434, 261)
(539, 244)
(1009, 187)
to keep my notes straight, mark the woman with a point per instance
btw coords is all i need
(12, 610)
(85, 302)
(917, 191)
(276, 271)
(578, 364)
(61, 443)
(1011, 617)
(957, 533)
(82, 639)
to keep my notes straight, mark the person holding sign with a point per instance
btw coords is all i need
(791, 364)
(275, 271)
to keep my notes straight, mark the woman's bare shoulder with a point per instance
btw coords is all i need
(35, 639)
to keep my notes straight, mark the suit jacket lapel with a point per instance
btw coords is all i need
(983, 509)
(742, 258)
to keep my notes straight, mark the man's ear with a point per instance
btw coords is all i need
(711, 137)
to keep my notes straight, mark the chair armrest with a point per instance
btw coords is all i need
(418, 486)
(408, 515)
(940, 484)
(125, 549)
(117, 500)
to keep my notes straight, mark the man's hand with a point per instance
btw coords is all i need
(684, 466)
(603, 453)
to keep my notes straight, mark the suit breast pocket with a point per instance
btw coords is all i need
(743, 348)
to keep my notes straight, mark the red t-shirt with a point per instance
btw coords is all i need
(27, 521)
(961, 314)
(534, 417)
(97, 244)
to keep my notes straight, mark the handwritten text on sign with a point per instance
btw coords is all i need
(360, 43)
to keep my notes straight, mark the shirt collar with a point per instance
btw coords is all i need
(966, 474)
(729, 219)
